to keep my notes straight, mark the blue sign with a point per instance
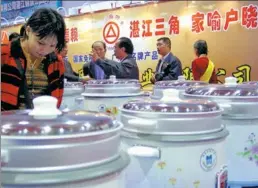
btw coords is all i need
(11, 9)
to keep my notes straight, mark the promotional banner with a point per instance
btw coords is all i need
(12, 9)
(229, 27)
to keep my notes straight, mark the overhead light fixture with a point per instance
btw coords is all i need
(5, 23)
(86, 8)
(19, 20)
(73, 11)
(155, 3)
(62, 11)
(121, 3)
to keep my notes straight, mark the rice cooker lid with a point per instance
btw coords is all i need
(113, 82)
(171, 116)
(181, 83)
(172, 107)
(234, 91)
(112, 87)
(251, 83)
(172, 104)
(73, 85)
(46, 120)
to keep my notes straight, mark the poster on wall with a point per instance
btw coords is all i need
(229, 27)
(12, 9)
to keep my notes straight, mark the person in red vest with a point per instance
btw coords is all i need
(202, 67)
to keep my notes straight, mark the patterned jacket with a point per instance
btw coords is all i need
(12, 79)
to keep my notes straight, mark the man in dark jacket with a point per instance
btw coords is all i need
(127, 67)
(69, 74)
(169, 66)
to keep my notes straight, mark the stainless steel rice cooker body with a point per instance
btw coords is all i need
(72, 99)
(173, 143)
(240, 115)
(109, 95)
(44, 147)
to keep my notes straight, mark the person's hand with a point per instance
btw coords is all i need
(94, 55)
(85, 79)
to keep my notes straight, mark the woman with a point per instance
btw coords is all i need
(203, 69)
(30, 68)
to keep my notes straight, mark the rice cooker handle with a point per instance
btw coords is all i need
(170, 95)
(79, 103)
(147, 93)
(144, 152)
(4, 158)
(225, 107)
(142, 123)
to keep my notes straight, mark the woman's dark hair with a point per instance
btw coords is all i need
(201, 47)
(47, 22)
(13, 36)
(22, 31)
(127, 44)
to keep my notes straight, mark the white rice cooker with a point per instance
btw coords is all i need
(181, 84)
(45, 147)
(72, 99)
(109, 95)
(240, 115)
(174, 143)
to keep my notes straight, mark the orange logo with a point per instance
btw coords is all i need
(4, 37)
(111, 32)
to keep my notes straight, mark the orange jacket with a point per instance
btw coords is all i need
(11, 78)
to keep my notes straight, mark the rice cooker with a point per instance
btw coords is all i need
(251, 83)
(181, 84)
(72, 99)
(174, 143)
(240, 103)
(109, 95)
(45, 147)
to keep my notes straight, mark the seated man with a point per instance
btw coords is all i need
(127, 67)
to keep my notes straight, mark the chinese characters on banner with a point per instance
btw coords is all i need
(71, 35)
(247, 16)
(143, 28)
(82, 58)
(16, 5)
(242, 73)
(140, 56)
(12, 9)
(146, 77)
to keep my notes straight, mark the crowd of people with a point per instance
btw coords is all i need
(34, 62)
